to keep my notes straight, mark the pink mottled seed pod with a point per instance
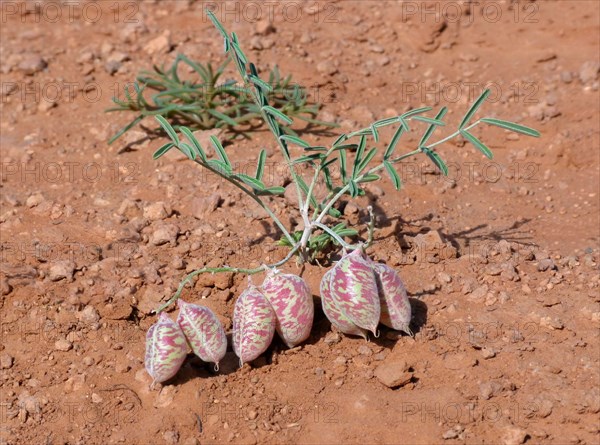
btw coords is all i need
(333, 314)
(203, 331)
(293, 305)
(166, 349)
(253, 325)
(354, 291)
(395, 306)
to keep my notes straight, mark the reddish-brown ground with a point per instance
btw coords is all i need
(505, 295)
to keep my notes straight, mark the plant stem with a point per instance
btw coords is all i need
(255, 198)
(406, 155)
(371, 227)
(191, 275)
(271, 123)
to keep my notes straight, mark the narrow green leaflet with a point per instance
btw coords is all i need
(343, 164)
(359, 153)
(386, 121)
(404, 123)
(364, 162)
(238, 50)
(335, 213)
(187, 150)
(477, 143)
(429, 120)
(277, 114)
(220, 166)
(411, 113)
(432, 127)
(252, 182)
(346, 147)
(474, 108)
(327, 175)
(199, 150)
(369, 178)
(223, 117)
(271, 191)
(394, 176)
(307, 158)
(162, 150)
(316, 148)
(220, 151)
(260, 166)
(354, 190)
(216, 22)
(126, 128)
(294, 140)
(260, 83)
(345, 231)
(389, 151)
(511, 126)
(340, 139)
(435, 158)
(375, 133)
(167, 127)
(328, 163)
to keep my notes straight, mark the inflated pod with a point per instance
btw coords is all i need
(293, 305)
(203, 331)
(333, 314)
(354, 290)
(253, 325)
(395, 306)
(166, 349)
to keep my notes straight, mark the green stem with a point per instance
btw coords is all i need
(255, 198)
(312, 187)
(332, 202)
(268, 119)
(406, 155)
(191, 275)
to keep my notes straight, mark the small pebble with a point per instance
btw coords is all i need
(6, 361)
(63, 345)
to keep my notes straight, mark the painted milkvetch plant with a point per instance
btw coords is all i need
(357, 294)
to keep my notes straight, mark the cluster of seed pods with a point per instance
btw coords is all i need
(283, 303)
(357, 294)
(168, 342)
